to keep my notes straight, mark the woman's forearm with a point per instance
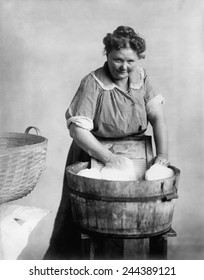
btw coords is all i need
(85, 140)
(157, 120)
(160, 137)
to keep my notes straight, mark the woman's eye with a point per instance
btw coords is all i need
(118, 60)
(131, 61)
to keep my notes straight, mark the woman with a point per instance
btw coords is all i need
(113, 101)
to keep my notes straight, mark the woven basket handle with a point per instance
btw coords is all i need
(37, 130)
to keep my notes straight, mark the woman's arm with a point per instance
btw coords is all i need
(157, 120)
(85, 140)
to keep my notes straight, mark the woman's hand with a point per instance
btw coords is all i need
(119, 168)
(161, 159)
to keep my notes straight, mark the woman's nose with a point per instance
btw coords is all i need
(123, 66)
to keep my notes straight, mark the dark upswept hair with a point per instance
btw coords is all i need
(124, 37)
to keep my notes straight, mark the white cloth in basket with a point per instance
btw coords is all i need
(16, 225)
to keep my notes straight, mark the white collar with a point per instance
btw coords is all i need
(136, 79)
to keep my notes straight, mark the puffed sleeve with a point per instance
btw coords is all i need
(151, 98)
(82, 108)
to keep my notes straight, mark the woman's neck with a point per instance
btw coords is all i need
(123, 84)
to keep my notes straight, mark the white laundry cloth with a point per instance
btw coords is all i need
(90, 173)
(16, 224)
(158, 172)
(126, 171)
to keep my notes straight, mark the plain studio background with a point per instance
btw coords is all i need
(47, 46)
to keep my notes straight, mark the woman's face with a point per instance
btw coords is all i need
(122, 63)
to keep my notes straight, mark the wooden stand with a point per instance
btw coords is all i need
(158, 248)
(154, 247)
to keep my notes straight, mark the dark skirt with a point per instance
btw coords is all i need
(65, 240)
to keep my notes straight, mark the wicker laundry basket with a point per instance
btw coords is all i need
(22, 160)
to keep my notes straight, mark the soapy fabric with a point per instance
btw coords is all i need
(93, 173)
(158, 172)
(126, 171)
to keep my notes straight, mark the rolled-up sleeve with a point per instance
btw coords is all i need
(151, 98)
(83, 106)
(152, 104)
